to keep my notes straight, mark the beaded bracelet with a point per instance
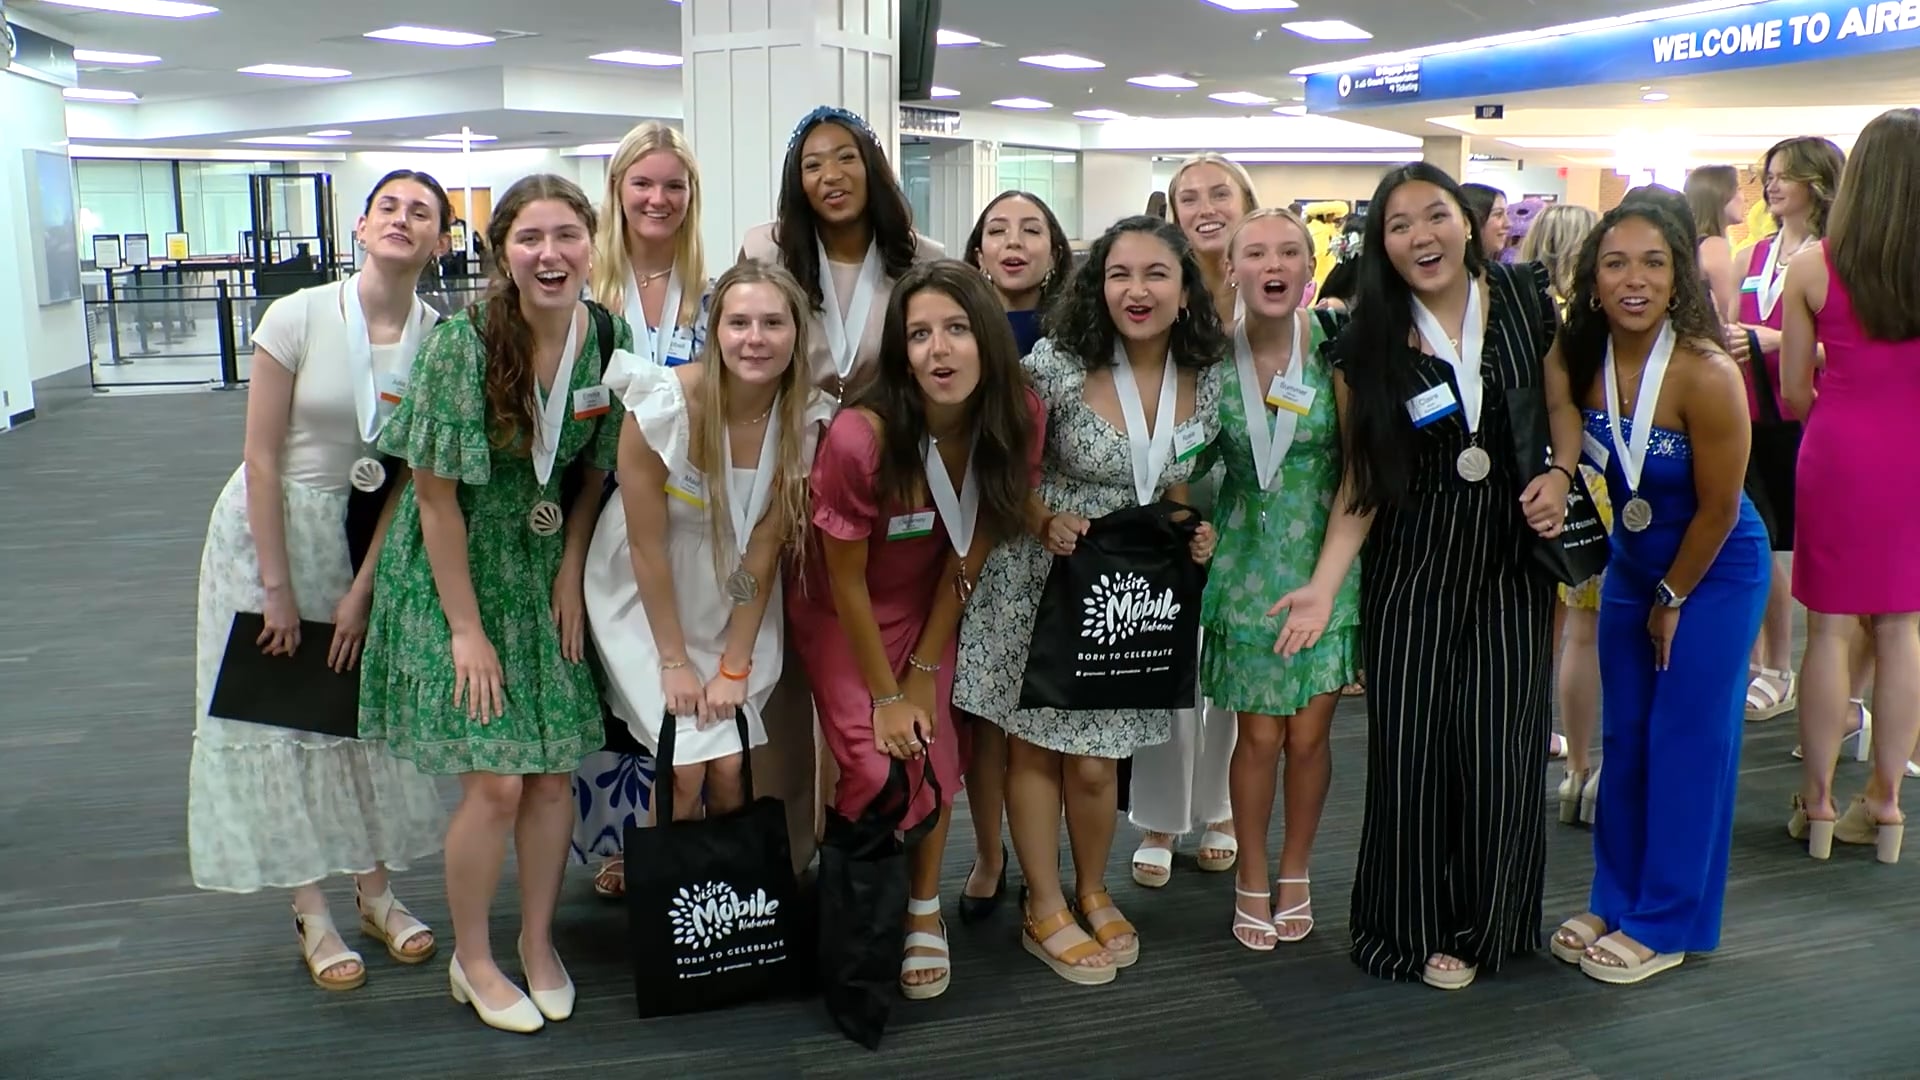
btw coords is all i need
(672, 665)
(890, 699)
(921, 665)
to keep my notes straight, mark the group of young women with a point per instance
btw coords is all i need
(841, 473)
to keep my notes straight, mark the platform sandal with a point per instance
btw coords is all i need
(1268, 936)
(941, 962)
(1215, 840)
(1446, 978)
(313, 931)
(376, 914)
(1153, 863)
(1113, 928)
(1068, 965)
(1771, 693)
(1575, 936)
(1301, 912)
(1610, 960)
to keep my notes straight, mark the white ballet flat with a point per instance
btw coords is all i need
(555, 1005)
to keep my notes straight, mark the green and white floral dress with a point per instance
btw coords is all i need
(1269, 545)
(552, 717)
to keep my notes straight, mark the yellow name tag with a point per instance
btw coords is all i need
(1289, 394)
(687, 485)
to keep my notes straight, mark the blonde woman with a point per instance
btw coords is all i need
(1181, 784)
(647, 265)
(1554, 241)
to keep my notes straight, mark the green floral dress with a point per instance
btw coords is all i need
(1253, 567)
(552, 716)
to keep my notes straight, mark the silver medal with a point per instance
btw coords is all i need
(545, 518)
(742, 586)
(1473, 464)
(367, 475)
(1637, 515)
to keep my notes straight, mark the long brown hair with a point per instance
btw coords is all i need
(1709, 189)
(1813, 161)
(1874, 236)
(609, 275)
(789, 502)
(513, 404)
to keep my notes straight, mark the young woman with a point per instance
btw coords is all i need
(1454, 616)
(1554, 241)
(1181, 783)
(475, 661)
(1858, 295)
(683, 571)
(913, 485)
(1713, 195)
(1134, 337)
(1280, 444)
(648, 264)
(1683, 595)
(1488, 205)
(845, 232)
(1020, 247)
(272, 807)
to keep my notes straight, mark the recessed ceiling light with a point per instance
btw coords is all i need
(329, 133)
(1100, 114)
(1655, 96)
(284, 140)
(427, 35)
(1063, 62)
(1292, 110)
(295, 71)
(638, 58)
(1242, 97)
(944, 91)
(1023, 103)
(87, 93)
(954, 37)
(1327, 30)
(1163, 82)
(454, 136)
(97, 56)
(158, 9)
(1255, 5)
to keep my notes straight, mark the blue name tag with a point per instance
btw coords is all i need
(1436, 403)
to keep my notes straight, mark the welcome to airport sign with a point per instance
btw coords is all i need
(1730, 39)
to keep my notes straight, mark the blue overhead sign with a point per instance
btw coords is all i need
(1750, 36)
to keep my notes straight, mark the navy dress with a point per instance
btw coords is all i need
(1026, 329)
(1671, 739)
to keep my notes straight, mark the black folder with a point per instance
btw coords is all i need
(299, 691)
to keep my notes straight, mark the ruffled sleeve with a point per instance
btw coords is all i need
(1333, 337)
(1207, 390)
(845, 503)
(441, 425)
(1057, 376)
(603, 452)
(653, 396)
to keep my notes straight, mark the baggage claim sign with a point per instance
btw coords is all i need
(1753, 35)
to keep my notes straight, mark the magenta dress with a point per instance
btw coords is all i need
(1855, 535)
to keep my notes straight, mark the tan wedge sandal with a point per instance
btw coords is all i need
(377, 912)
(1105, 932)
(1069, 964)
(313, 931)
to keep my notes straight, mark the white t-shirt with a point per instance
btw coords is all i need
(307, 334)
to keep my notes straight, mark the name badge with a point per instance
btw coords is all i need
(1188, 439)
(680, 349)
(687, 485)
(1751, 285)
(591, 401)
(1292, 395)
(393, 387)
(911, 526)
(1435, 404)
(1597, 451)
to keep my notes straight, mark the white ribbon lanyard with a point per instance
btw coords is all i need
(1466, 361)
(1633, 452)
(1149, 455)
(747, 514)
(844, 332)
(553, 411)
(1773, 280)
(1269, 444)
(366, 381)
(662, 337)
(959, 512)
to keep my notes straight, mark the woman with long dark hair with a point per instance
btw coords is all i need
(1455, 616)
(915, 482)
(1135, 336)
(1683, 594)
(476, 652)
(271, 807)
(1713, 199)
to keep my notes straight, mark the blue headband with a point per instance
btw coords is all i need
(844, 117)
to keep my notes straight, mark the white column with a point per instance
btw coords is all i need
(1450, 152)
(964, 176)
(1112, 186)
(753, 68)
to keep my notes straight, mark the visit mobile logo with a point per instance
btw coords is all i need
(710, 913)
(1122, 606)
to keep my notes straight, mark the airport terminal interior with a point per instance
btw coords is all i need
(175, 176)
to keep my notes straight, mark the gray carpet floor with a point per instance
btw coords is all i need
(113, 965)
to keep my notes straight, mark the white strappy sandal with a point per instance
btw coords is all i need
(1215, 840)
(1298, 913)
(1269, 937)
(313, 931)
(920, 939)
(375, 914)
(1764, 700)
(1152, 865)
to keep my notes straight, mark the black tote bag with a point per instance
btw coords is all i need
(1774, 456)
(1119, 620)
(1582, 548)
(714, 911)
(862, 892)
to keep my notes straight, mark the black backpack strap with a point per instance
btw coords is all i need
(603, 332)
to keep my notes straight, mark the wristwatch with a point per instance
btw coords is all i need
(1664, 596)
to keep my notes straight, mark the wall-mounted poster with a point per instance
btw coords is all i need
(50, 217)
(139, 249)
(178, 247)
(106, 252)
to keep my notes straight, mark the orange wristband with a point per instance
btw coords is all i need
(736, 677)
